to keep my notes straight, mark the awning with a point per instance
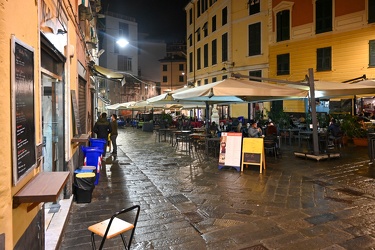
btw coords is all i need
(107, 73)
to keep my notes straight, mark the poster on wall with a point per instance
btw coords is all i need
(23, 109)
(230, 150)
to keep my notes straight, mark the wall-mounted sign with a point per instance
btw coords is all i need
(23, 109)
(253, 153)
(230, 150)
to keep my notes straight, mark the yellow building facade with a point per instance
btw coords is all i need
(45, 56)
(261, 38)
(226, 37)
(337, 50)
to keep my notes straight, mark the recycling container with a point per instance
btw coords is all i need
(84, 186)
(93, 157)
(99, 143)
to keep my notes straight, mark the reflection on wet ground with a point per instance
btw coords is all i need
(187, 203)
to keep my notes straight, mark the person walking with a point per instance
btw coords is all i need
(114, 134)
(102, 129)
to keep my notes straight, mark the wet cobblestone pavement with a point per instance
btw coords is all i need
(187, 203)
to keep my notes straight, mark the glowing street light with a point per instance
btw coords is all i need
(122, 42)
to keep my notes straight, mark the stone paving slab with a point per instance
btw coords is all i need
(187, 203)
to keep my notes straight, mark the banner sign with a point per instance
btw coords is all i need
(230, 150)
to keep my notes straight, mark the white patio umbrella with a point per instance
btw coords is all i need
(325, 89)
(237, 90)
(167, 99)
(113, 106)
(118, 106)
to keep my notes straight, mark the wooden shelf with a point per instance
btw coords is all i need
(44, 187)
(81, 138)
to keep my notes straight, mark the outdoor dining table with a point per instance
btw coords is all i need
(164, 132)
(177, 133)
(202, 129)
(322, 138)
(290, 131)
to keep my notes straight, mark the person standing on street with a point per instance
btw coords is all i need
(102, 128)
(114, 133)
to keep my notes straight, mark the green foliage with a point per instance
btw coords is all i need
(166, 118)
(352, 128)
(280, 118)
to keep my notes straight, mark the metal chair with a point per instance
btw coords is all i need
(270, 146)
(114, 226)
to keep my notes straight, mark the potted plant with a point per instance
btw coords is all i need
(354, 130)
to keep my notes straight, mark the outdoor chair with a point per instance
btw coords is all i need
(270, 145)
(185, 140)
(114, 226)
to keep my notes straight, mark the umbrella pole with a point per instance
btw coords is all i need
(314, 118)
(207, 115)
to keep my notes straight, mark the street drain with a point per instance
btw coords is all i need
(338, 200)
(256, 247)
(177, 199)
(350, 191)
(124, 163)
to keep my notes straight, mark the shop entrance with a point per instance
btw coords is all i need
(53, 123)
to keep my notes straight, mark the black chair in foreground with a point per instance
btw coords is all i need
(114, 226)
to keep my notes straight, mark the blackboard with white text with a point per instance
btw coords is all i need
(23, 110)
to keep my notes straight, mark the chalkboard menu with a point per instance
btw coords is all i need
(253, 153)
(23, 110)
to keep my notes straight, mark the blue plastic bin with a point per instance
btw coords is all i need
(241, 119)
(100, 143)
(93, 156)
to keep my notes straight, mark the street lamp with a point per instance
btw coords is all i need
(122, 42)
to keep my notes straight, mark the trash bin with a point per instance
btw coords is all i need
(99, 143)
(93, 157)
(371, 146)
(83, 186)
(91, 168)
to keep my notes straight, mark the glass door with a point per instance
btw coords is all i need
(53, 123)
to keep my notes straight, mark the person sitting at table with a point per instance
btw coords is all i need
(245, 130)
(335, 134)
(254, 131)
(213, 128)
(271, 129)
(222, 127)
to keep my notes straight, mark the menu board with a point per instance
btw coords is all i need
(230, 150)
(253, 153)
(23, 110)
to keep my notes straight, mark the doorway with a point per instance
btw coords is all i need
(53, 123)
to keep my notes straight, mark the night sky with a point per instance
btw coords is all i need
(161, 19)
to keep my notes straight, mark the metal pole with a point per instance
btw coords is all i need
(314, 118)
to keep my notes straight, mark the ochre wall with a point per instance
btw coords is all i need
(13, 222)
